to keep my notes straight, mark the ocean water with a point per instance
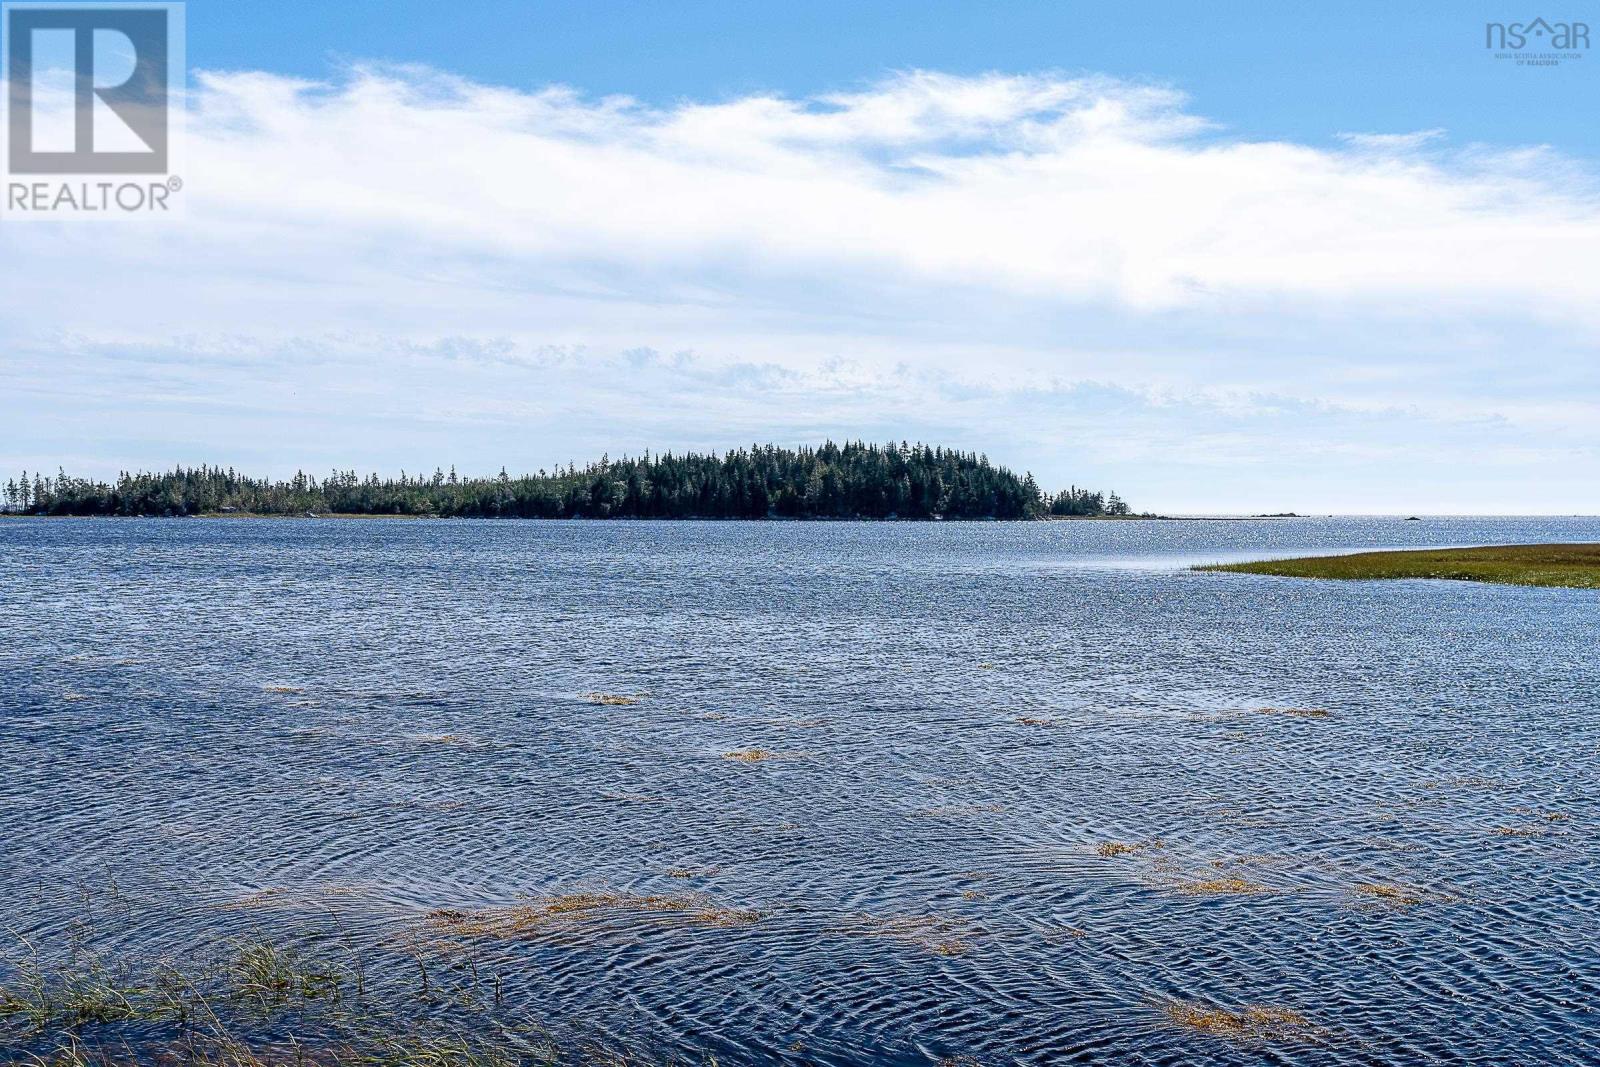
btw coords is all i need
(324, 731)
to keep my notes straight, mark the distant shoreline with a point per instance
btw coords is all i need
(782, 518)
(350, 515)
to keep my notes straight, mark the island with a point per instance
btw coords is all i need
(854, 480)
(1575, 566)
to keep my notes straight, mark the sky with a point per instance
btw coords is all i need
(1224, 258)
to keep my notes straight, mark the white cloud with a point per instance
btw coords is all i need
(1394, 142)
(956, 253)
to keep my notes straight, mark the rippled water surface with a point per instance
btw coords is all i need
(310, 726)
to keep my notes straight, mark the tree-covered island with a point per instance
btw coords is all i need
(848, 481)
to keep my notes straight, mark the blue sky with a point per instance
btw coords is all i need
(1265, 69)
(1238, 257)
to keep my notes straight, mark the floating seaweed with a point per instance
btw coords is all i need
(610, 699)
(283, 897)
(1297, 713)
(261, 898)
(1220, 887)
(1125, 848)
(1390, 894)
(959, 810)
(938, 934)
(458, 740)
(690, 872)
(1255, 1023)
(1466, 781)
(1243, 819)
(633, 798)
(540, 914)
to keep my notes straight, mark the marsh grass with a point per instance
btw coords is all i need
(1575, 566)
(270, 975)
(94, 993)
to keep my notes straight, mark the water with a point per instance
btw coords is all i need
(438, 753)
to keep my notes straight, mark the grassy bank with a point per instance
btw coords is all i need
(1572, 566)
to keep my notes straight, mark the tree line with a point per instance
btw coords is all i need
(848, 481)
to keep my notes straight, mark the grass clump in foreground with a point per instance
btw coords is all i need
(259, 1004)
(1574, 566)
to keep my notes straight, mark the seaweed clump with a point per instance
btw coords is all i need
(749, 755)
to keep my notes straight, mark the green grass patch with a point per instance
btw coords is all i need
(1574, 566)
